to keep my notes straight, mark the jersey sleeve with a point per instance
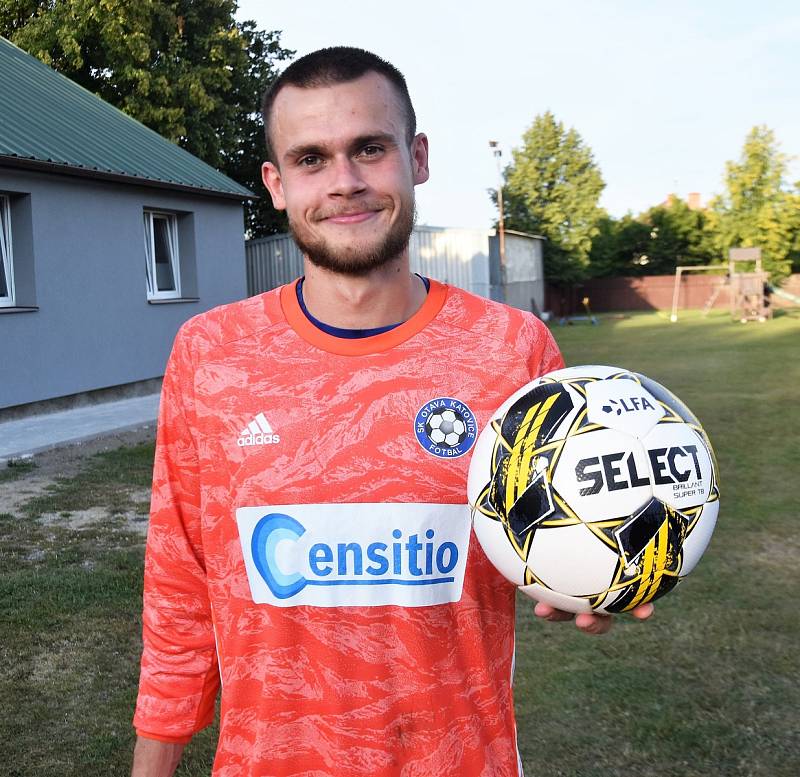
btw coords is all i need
(179, 676)
(550, 357)
(538, 346)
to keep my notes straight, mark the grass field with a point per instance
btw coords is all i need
(709, 686)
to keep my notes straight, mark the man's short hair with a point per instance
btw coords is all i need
(336, 65)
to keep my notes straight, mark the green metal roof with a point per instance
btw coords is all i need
(48, 121)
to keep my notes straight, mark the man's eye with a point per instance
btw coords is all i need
(309, 161)
(371, 151)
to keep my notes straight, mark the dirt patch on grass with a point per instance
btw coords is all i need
(21, 484)
(14, 493)
(771, 551)
(130, 520)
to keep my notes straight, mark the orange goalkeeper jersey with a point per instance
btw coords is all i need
(310, 544)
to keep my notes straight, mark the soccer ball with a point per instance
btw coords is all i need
(444, 427)
(593, 489)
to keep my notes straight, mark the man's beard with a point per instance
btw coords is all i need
(355, 260)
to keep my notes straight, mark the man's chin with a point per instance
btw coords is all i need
(354, 254)
(352, 263)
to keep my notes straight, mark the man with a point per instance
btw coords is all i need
(309, 542)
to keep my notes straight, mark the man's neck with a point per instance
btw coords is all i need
(388, 295)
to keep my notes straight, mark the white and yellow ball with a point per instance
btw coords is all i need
(594, 489)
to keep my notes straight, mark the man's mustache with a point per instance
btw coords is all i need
(365, 206)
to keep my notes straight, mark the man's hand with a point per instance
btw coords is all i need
(155, 759)
(589, 622)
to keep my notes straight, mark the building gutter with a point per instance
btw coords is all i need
(56, 168)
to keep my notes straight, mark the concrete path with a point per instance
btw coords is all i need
(38, 433)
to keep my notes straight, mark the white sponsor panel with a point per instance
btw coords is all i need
(361, 555)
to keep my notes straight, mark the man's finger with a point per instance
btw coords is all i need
(549, 613)
(643, 611)
(594, 624)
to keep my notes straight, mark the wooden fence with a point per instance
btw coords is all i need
(652, 292)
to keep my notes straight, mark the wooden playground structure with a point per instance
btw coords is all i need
(748, 300)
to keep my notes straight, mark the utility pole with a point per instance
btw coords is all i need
(493, 144)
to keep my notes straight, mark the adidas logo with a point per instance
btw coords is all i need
(257, 432)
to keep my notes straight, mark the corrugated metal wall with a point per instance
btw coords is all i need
(523, 284)
(271, 262)
(467, 258)
(456, 256)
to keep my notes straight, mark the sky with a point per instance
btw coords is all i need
(664, 93)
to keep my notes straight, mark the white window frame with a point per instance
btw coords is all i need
(6, 252)
(153, 292)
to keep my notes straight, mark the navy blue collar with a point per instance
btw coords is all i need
(350, 334)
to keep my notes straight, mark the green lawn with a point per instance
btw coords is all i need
(708, 687)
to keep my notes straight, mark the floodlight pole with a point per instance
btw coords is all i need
(493, 144)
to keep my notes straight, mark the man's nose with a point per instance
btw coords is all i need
(346, 179)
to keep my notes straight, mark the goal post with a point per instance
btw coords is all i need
(679, 270)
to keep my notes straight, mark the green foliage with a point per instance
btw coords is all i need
(653, 243)
(757, 208)
(551, 188)
(618, 246)
(794, 252)
(678, 236)
(185, 68)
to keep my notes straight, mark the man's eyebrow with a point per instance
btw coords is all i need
(320, 149)
(374, 137)
(302, 149)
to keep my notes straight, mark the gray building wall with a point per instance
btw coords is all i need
(79, 256)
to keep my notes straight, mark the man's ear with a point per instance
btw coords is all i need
(271, 177)
(419, 158)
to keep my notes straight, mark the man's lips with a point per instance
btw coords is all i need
(350, 218)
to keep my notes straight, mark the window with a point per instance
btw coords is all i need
(7, 296)
(162, 265)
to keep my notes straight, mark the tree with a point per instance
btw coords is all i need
(551, 188)
(757, 208)
(184, 68)
(652, 243)
(794, 251)
(618, 246)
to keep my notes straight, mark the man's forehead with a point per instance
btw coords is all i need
(371, 86)
(371, 100)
